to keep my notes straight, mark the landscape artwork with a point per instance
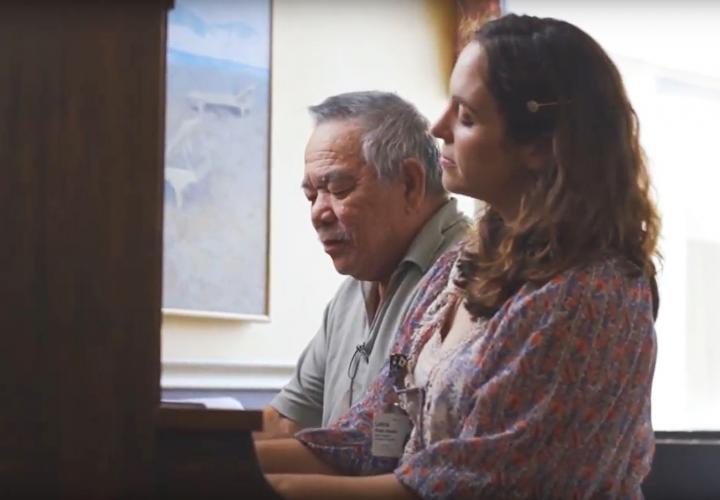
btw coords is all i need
(216, 158)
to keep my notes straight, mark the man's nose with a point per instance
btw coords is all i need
(322, 211)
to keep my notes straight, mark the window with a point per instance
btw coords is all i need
(667, 54)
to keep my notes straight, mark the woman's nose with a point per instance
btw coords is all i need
(440, 128)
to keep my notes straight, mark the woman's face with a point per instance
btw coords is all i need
(477, 159)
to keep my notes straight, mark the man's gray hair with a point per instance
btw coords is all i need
(394, 131)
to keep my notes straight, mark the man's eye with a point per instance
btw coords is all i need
(340, 189)
(341, 193)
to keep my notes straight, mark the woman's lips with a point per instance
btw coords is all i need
(447, 162)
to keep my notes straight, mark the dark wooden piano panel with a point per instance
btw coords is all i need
(81, 155)
(82, 105)
(209, 454)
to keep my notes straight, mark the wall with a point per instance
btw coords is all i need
(319, 48)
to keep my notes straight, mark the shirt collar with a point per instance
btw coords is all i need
(423, 250)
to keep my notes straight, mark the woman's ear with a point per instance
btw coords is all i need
(539, 153)
(413, 179)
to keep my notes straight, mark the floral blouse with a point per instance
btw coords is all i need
(549, 398)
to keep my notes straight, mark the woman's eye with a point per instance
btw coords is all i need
(464, 116)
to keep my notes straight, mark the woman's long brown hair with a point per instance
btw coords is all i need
(594, 200)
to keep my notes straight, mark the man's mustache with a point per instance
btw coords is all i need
(335, 236)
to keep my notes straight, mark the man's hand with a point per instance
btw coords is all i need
(276, 426)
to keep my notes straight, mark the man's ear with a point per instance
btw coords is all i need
(413, 179)
(539, 153)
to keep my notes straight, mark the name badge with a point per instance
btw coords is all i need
(389, 434)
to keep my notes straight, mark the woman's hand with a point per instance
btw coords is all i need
(289, 456)
(322, 487)
(296, 473)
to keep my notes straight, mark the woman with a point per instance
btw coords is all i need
(527, 364)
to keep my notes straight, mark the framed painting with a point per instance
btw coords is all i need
(215, 261)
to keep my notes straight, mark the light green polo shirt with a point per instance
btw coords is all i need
(320, 390)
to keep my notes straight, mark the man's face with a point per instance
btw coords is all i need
(358, 218)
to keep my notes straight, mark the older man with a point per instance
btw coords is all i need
(377, 203)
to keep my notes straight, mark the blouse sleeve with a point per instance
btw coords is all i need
(347, 442)
(557, 402)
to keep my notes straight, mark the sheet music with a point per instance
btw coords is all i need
(211, 403)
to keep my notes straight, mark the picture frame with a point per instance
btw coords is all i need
(217, 160)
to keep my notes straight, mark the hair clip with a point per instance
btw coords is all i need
(533, 106)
